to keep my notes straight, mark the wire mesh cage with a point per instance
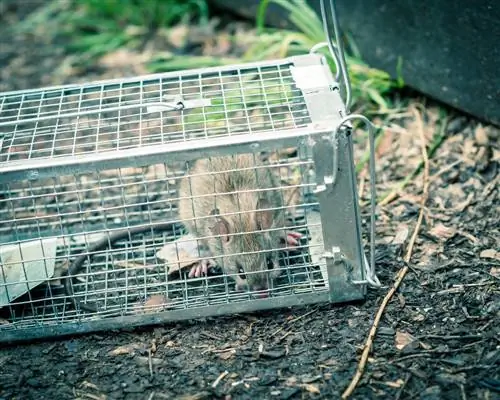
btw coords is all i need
(177, 195)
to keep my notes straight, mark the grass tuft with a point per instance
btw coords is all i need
(96, 27)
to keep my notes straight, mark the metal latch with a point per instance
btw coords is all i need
(177, 103)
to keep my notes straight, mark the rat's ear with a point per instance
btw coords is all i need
(220, 226)
(264, 218)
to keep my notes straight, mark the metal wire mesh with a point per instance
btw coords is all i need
(122, 278)
(151, 110)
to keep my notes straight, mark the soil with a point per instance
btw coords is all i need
(437, 339)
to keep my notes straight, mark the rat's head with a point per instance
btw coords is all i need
(249, 246)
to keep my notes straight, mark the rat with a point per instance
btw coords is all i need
(234, 207)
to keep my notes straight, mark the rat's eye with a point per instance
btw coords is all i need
(270, 264)
(241, 272)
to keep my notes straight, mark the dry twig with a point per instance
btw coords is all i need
(150, 363)
(219, 378)
(402, 272)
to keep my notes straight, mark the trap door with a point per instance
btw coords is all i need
(336, 188)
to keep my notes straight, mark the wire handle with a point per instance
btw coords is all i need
(337, 51)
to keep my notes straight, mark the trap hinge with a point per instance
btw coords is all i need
(338, 258)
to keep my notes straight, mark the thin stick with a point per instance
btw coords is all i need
(402, 272)
(219, 378)
(150, 362)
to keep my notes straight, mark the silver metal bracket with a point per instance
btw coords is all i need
(335, 259)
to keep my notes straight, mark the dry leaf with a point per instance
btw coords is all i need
(443, 232)
(496, 155)
(490, 253)
(185, 260)
(403, 339)
(455, 192)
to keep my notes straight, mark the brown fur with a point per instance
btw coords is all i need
(208, 215)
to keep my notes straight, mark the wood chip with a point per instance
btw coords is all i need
(490, 253)
(227, 354)
(396, 384)
(495, 271)
(125, 349)
(403, 339)
(419, 317)
(310, 388)
(443, 232)
(481, 135)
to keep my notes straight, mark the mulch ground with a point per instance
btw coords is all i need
(438, 337)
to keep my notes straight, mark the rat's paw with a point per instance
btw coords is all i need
(291, 238)
(201, 268)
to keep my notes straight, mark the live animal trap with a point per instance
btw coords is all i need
(95, 179)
